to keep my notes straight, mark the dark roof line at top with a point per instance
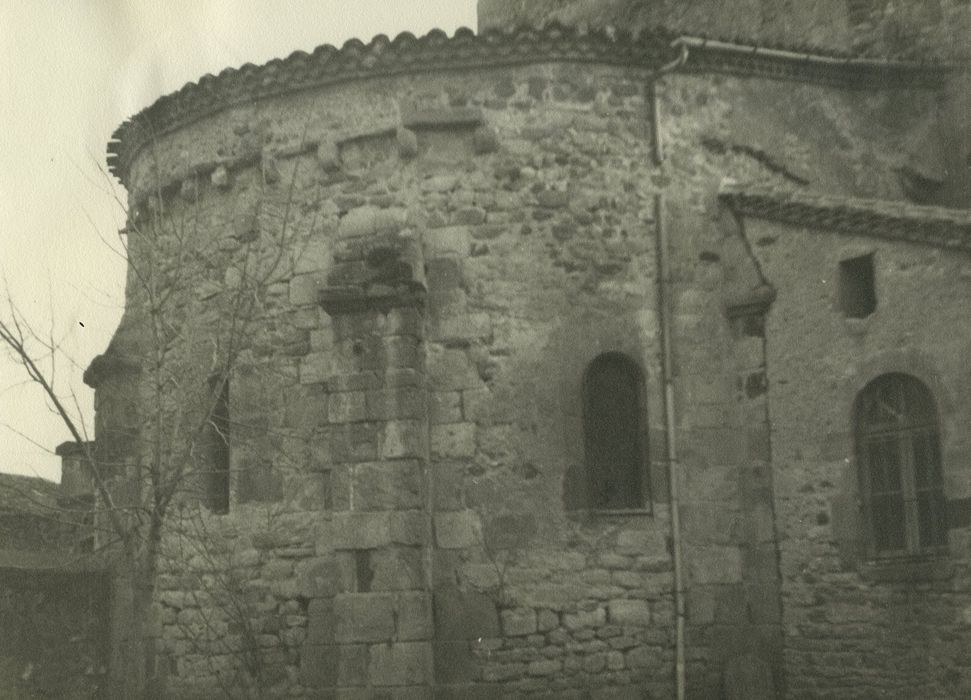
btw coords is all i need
(27, 495)
(465, 50)
(936, 226)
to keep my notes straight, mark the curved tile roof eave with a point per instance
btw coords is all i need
(940, 227)
(406, 54)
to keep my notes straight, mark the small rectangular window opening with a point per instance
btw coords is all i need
(217, 478)
(363, 570)
(857, 288)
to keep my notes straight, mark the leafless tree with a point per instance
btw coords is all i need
(194, 301)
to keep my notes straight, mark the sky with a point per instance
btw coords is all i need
(73, 70)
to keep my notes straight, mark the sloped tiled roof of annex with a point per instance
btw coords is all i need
(936, 226)
(465, 50)
(26, 495)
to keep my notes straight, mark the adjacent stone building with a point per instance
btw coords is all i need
(53, 597)
(510, 284)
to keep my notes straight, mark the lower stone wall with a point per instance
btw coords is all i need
(589, 617)
(274, 610)
(859, 629)
(54, 635)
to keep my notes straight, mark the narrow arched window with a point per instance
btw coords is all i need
(614, 422)
(899, 459)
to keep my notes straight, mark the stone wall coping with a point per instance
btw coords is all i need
(465, 50)
(874, 218)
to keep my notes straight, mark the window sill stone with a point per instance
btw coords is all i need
(922, 568)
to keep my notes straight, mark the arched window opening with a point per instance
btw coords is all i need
(899, 461)
(614, 420)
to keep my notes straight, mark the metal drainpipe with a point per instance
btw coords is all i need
(684, 43)
(664, 317)
(808, 58)
(664, 305)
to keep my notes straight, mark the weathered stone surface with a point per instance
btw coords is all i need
(397, 569)
(360, 530)
(220, 177)
(445, 407)
(485, 140)
(629, 612)
(414, 616)
(304, 288)
(465, 615)
(407, 143)
(453, 440)
(748, 676)
(456, 530)
(320, 577)
(319, 666)
(544, 668)
(454, 663)
(585, 618)
(518, 622)
(346, 407)
(328, 156)
(716, 565)
(449, 240)
(364, 617)
(391, 485)
(402, 439)
(547, 620)
(401, 663)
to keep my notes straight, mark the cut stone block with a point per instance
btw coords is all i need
(401, 663)
(456, 530)
(414, 616)
(454, 663)
(373, 530)
(402, 439)
(465, 615)
(397, 569)
(364, 617)
(518, 622)
(453, 440)
(635, 613)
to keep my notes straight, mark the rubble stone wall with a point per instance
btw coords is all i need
(855, 626)
(407, 500)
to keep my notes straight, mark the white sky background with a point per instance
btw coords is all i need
(70, 72)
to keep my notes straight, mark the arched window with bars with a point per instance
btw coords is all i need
(899, 461)
(615, 437)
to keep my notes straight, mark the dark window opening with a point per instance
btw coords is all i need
(363, 571)
(899, 461)
(217, 477)
(857, 287)
(615, 424)
(86, 541)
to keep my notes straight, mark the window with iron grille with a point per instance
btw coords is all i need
(899, 460)
(614, 420)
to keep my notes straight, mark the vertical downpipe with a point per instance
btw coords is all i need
(664, 318)
(664, 304)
